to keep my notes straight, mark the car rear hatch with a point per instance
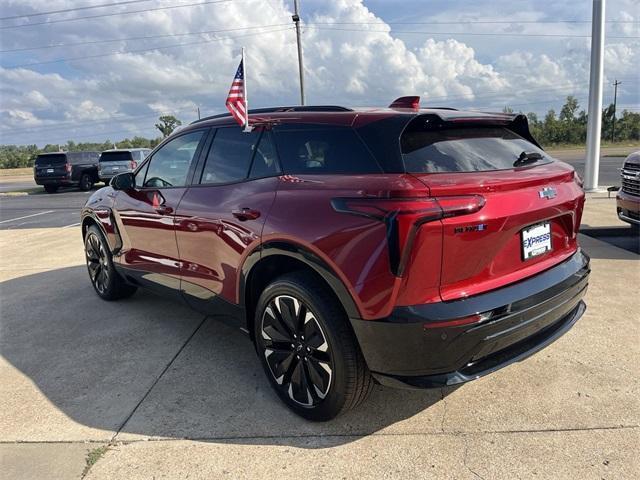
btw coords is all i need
(52, 165)
(113, 163)
(531, 202)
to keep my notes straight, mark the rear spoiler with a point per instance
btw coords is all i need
(516, 122)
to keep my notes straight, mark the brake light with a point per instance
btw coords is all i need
(133, 164)
(403, 217)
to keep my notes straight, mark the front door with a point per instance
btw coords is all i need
(145, 215)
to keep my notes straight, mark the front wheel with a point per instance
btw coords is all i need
(308, 349)
(107, 283)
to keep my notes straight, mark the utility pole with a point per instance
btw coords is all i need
(296, 20)
(594, 124)
(615, 101)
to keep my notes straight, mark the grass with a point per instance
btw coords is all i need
(25, 191)
(92, 457)
(620, 148)
(9, 172)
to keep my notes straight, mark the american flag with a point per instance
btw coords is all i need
(236, 103)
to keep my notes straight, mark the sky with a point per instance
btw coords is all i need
(109, 76)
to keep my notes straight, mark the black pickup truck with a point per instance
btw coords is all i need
(54, 170)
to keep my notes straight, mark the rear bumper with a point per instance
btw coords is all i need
(628, 207)
(53, 181)
(413, 349)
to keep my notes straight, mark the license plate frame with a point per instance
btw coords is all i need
(535, 240)
(50, 170)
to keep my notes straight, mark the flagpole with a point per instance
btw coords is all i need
(247, 128)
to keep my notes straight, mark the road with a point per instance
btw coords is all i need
(39, 209)
(42, 210)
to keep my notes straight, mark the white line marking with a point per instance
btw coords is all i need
(27, 216)
(72, 225)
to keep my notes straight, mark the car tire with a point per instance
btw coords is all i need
(106, 281)
(51, 188)
(86, 182)
(318, 377)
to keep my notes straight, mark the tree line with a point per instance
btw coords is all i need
(570, 125)
(567, 127)
(17, 156)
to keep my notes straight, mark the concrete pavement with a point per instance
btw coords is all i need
(174, 395)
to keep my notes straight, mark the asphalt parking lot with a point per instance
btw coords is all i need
(145, 388)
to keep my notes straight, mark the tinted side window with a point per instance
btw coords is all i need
(265, 160)
(323, 150)
(229, 156)
(169, 166)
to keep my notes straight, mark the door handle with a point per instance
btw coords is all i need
(164, 210)
(246, 214)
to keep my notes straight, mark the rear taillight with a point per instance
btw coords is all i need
(403, 217)
(133, 164)
(67, 167)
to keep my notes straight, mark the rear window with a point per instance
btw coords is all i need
(464, 149)
(322, 150)
(51, 159)
(115, 156)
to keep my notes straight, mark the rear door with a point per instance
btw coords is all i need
(145, 215)
(531, 212)
(222, 215)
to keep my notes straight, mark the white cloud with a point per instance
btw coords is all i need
(368, 67)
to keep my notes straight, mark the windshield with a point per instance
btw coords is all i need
(466, 149)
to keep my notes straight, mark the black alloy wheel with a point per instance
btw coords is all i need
(107, 283)
(97, 263)
(296, 350)
(307, 348)
(86, 183)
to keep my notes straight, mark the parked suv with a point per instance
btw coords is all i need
(412, 247)
(63, 169)
(628, 197)
(113, 162)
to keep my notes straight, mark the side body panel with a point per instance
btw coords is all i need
(149, 250)
(355, 248)
(214, 237)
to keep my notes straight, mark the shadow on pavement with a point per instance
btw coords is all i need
(95, 361)
(625, 237)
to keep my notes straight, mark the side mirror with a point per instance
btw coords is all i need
(123, 181)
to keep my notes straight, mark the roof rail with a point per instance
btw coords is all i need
(441, 108)
(295, 108)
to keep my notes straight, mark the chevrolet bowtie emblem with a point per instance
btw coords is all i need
(548, 193)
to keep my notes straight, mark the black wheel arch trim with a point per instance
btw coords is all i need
(304, 255)
(90, 214)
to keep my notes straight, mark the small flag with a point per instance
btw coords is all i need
(236, 100)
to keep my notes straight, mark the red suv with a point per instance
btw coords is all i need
(411, 247)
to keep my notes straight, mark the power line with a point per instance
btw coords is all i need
(75, 9)
(169, 7)
(474, 22)
(397, 32)
(175, 45)
(147, 37)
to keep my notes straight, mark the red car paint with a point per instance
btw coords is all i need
(198, 239)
